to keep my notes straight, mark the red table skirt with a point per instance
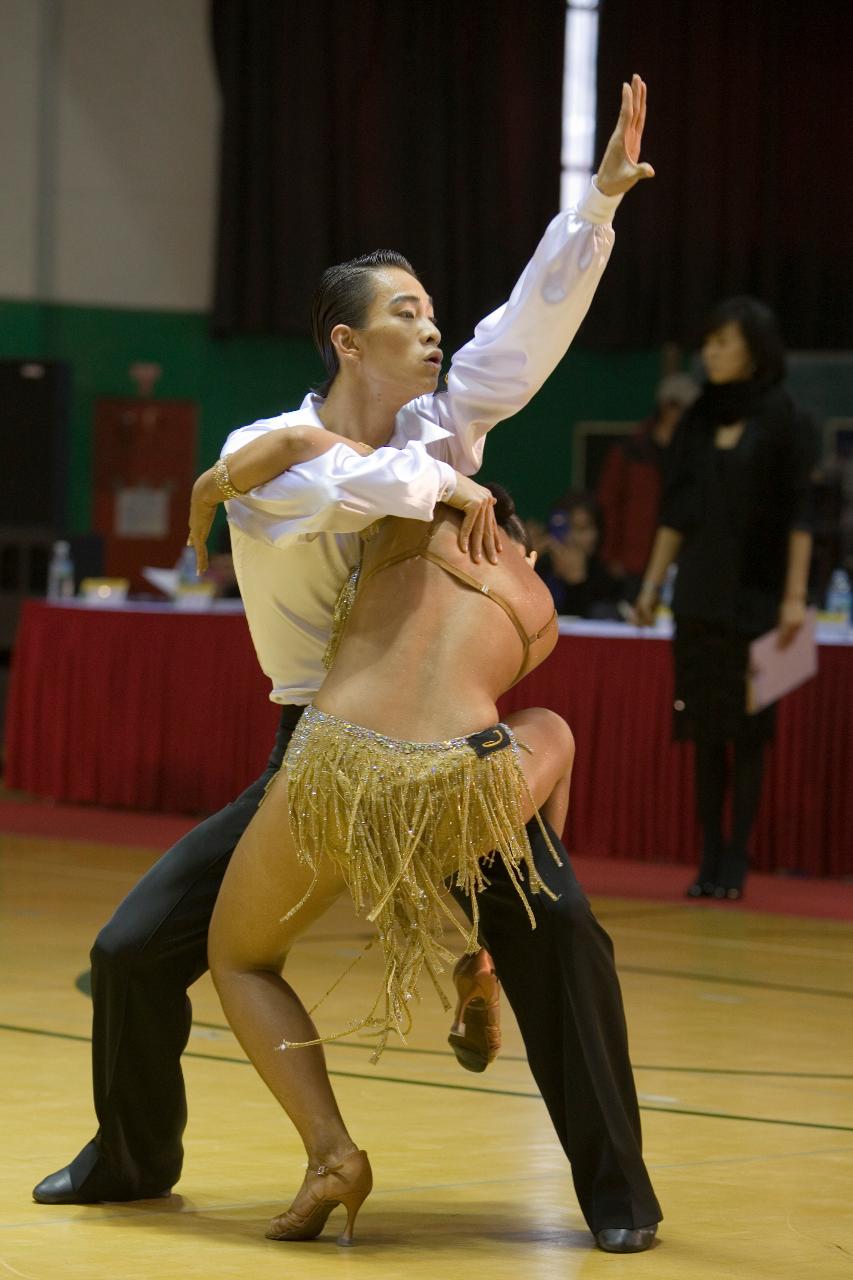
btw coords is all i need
(143, 710)
(632, 786)
(169, 711)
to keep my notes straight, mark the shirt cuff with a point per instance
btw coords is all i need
(597, 207)
(447, 481)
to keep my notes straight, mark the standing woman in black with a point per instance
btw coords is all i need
(735, 515)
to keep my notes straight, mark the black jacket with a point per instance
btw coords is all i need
(736, 508)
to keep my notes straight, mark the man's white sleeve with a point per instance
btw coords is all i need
(515, 348)
(340, 491)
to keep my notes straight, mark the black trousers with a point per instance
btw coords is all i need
(559, 979)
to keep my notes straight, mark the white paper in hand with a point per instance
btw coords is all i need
(773, 672)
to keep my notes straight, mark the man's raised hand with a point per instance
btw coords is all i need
(621, 167)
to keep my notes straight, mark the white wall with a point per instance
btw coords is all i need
(119, 181)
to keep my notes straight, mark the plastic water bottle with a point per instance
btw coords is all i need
(186, 567)
(192, 592)
(839, 597)
(667, 590)
(60, 573)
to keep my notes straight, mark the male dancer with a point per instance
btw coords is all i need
(294, 543)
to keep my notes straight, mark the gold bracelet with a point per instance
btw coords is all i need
(223, 480)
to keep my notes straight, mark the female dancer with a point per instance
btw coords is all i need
(736, 515)
(398, 777)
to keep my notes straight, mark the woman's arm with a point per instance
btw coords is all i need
(665, 550)
(269, 456)
(792, 611)
(274, 453)
(252, 465)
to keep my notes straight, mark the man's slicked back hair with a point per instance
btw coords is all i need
(343, 296)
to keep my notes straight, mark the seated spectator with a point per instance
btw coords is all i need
(569, 561)
(630, 487)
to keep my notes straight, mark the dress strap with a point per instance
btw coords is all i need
(409, 553)
(421, 549)
(484, 589)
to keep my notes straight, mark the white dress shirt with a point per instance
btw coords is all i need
(295, 538)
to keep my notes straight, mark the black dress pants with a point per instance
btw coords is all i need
(143, 961)
(559, 979)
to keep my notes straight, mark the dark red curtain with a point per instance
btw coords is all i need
(748, 129)
(434, 129)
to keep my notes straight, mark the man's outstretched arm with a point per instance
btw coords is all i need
(517, 347)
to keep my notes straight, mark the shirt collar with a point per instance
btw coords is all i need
(309, 409)
(411, 423)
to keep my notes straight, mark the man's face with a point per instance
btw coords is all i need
(397, 348)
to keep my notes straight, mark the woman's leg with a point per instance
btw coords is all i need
(548, 765)
(747, 776)
(475, 1035)
(710, 777)
(248, 945)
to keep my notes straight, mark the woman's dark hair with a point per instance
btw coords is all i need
(760, 330)
(580, 500)
(507, 517)
(343, 296)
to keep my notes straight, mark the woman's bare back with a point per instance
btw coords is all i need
(425, 656)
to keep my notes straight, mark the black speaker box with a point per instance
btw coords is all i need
(34, 425)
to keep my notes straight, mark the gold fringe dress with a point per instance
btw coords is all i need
(399, 819)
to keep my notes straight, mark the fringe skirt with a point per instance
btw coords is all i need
(399, 819)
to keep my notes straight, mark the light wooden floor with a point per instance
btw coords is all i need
(741, 1030)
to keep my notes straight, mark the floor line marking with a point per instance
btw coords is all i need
(715, 978)
(412, 1050)
(466, 1088)
(71, 869)
(737, 944)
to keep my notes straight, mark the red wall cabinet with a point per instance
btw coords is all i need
(144, 467)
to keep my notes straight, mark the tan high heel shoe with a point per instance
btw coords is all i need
(325, 1187)
(475, 1036)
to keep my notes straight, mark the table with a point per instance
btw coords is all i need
(147, 707)
(632, 787)
(141, 707)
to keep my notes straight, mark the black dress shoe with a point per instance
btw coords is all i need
(700, 889)
(626, 1239)
(59, 1188)
(732, 892)
(731, 874)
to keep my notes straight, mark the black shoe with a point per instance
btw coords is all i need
(59, 1188)
(706, 876)
(732, 873)
(626, 1239)
(700, 889)
(83, 1182)
(731, 892)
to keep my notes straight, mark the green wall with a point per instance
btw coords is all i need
(236, 380)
